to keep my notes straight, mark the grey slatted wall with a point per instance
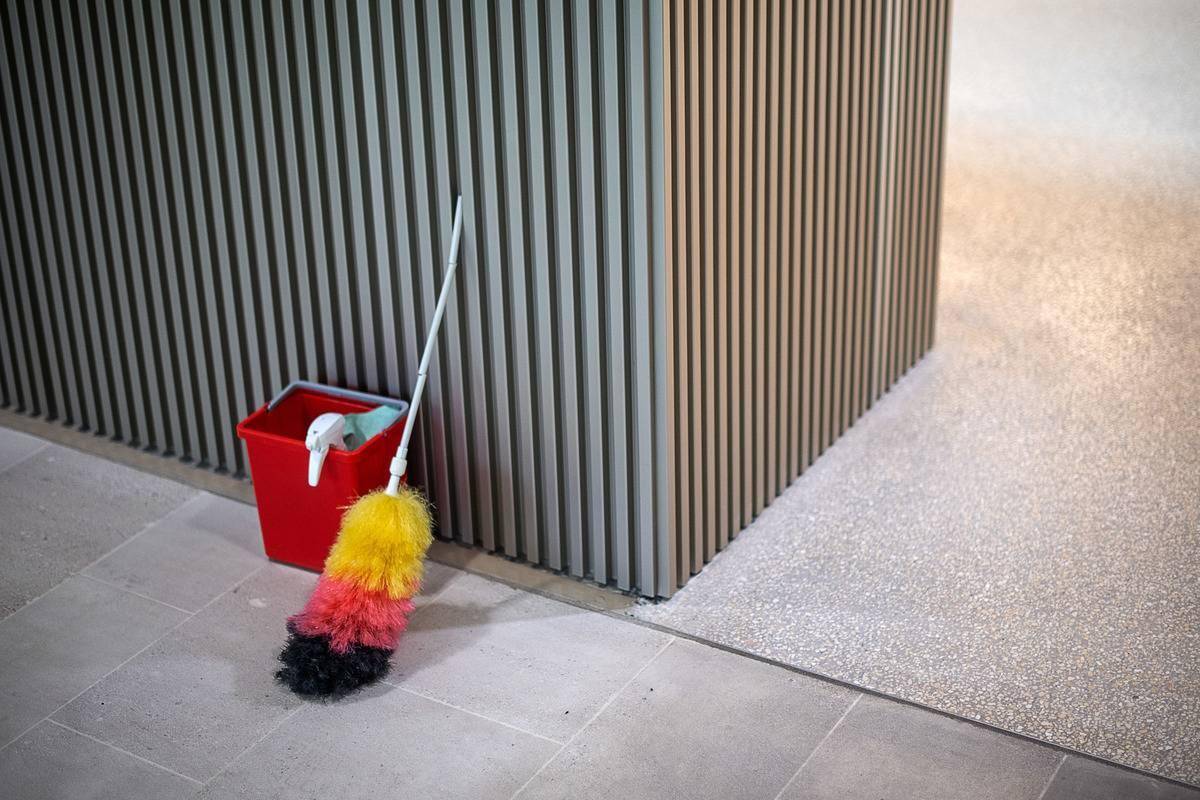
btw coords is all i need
(803, 175)
(700, 241)
(204, 200)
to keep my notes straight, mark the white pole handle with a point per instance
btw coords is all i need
(399, 464)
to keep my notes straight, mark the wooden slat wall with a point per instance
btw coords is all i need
(803, 154)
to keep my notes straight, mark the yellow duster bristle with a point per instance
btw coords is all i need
(382, 543)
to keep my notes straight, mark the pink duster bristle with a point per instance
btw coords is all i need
(350, 615)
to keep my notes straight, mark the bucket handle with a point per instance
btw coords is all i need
(337, 391)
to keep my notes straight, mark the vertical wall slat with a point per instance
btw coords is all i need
(807, 233)
(770, 376)
(546, 432)
(614, 240)
(477, 381)
(694, 396)
(37, 242)
(733, 334)
(45, 206)
(884, 203)
(708, 302)
(746, 267)
(678, 98)
(10, 390)
(189, 368)
(663, 281)
(76, 365)
(587, 205)
(758, 267)
(256, 288)
(822, 201)
(517, 300)
(941, 48)
(154, 193)
(837, 266)
(722, 174)
(206, 232)
(226, 167)
(454, 486)
(24, 372)
(639, 214)
(785, 230)
(851, 409)
(566, 403)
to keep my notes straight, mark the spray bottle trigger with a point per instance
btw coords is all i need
(326, 431)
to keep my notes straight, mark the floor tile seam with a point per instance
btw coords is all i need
(821, 677)
(123, 751)
(595, 716)
(200, 494)
(819, 745)
(265, 735)
(129, 591)
(101, 557)
(448, 704)
(846, 683)
(44, 444)
(118, 667)
(1053, 775)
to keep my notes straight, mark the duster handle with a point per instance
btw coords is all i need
(399, 464)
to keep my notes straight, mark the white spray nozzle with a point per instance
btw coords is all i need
(326, 431)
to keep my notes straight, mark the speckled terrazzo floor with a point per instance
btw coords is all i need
(1013, 533)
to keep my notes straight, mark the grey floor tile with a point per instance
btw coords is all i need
(697, 723)
(189, 556)
(437, 577)
(538, 664)
(384, 742)
(203, 694)
(63, 510)
(16, 446)
(55, 648)
(1084, 779)
(53, 763)
(886, 749)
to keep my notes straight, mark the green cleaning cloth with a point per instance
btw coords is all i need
(361, 427)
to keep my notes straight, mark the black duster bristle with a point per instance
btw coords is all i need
(311, 667)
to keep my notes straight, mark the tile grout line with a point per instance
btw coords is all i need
(164, 635)
(821, 743)
(111, 585)
(143, 759)
(255, 743)
(825, 678)
(302, 706)
(101, 557)
(1053, 775)
(594, 717)
(448, 704)
(199, 495)
(27, 456)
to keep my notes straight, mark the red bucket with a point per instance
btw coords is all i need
(299, 522)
